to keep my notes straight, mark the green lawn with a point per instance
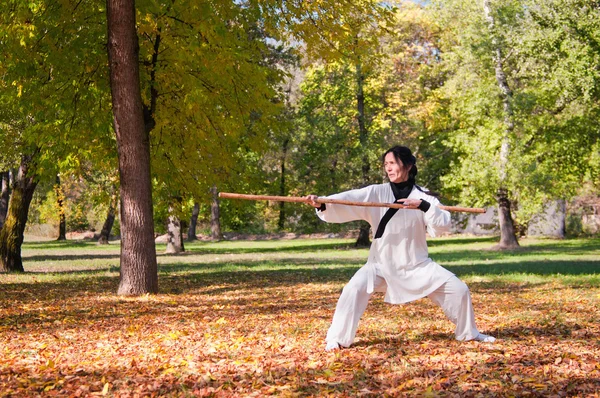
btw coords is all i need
(248, 318)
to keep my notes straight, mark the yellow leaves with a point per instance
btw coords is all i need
(50, 364)
(258, 334)
(19, 88)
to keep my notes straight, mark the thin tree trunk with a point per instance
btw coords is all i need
(507, 226)
(508, 237)
(215, 221)
(363, 234)
(60, 202)
(193, 222)
(11, 235)
(110, 219)
(281, 222)
(4, 196)
(174, 235)
(139, 273)
(561, 209)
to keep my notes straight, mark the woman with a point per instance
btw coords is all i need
(398, 262)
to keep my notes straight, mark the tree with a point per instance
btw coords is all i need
(51, 91)
(110, 218)
(508, 238)
(350, 112)
(11, 234)
(518, 110)
(215, 215)
(559, 50)
(174, 231)
(191, 235)
(4, 196)
(138, 254)
(60, 199)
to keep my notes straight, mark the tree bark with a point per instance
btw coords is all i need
(363, 234)
(281, 222)
(507, 226)
(174, 235)
(110, 219)
(11, 235)
(193, 222)
(215, 221)
(508, 237)
(139, 273)
(4, 196)
(60, 202)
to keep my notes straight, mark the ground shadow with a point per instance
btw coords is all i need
(260, 249)
(69, 257)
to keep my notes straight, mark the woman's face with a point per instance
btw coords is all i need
(395, 170)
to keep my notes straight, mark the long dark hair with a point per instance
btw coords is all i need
(405, 157)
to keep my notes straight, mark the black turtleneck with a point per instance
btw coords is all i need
(403, 189)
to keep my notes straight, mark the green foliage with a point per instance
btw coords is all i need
(209, 94)
(83, 210)
(53, 83)
(550, 58)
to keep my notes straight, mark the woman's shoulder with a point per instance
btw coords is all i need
(422, 193)
(380, 189)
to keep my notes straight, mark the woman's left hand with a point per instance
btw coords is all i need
(410, 203)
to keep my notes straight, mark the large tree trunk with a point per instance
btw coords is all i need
(281, 222)
(174, 235)
(508, 237)
(191, 235)
(60, 203)
(363, 234)
(139, 273)
(11, 235)
(110, 219)
(4, 196)
(215, 220)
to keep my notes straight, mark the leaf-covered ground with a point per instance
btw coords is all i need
(249, 319)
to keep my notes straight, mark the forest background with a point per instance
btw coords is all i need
(499, 100)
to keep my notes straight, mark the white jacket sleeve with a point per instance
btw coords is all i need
(336, 213)
(438, 221)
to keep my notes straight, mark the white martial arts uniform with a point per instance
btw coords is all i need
(398, 263)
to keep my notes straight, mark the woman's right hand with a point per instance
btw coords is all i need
(310, 199)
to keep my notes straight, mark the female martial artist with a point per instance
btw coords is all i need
(398, 262)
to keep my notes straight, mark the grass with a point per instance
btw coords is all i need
(248, 318)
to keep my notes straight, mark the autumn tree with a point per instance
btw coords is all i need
(51, 88)
(11, 234)
(138, 254)
(397, 107)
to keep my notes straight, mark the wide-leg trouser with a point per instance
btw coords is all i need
(453, 297)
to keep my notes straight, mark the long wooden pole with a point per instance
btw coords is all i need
(298, 199)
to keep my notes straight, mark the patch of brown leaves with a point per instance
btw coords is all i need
(263, 334)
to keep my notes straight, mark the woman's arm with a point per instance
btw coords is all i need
(438, 221)
(336, 213)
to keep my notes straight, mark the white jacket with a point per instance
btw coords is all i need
(401, 253)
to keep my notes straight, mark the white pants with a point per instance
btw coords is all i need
(453, 297)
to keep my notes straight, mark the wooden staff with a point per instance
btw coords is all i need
(297, 199)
